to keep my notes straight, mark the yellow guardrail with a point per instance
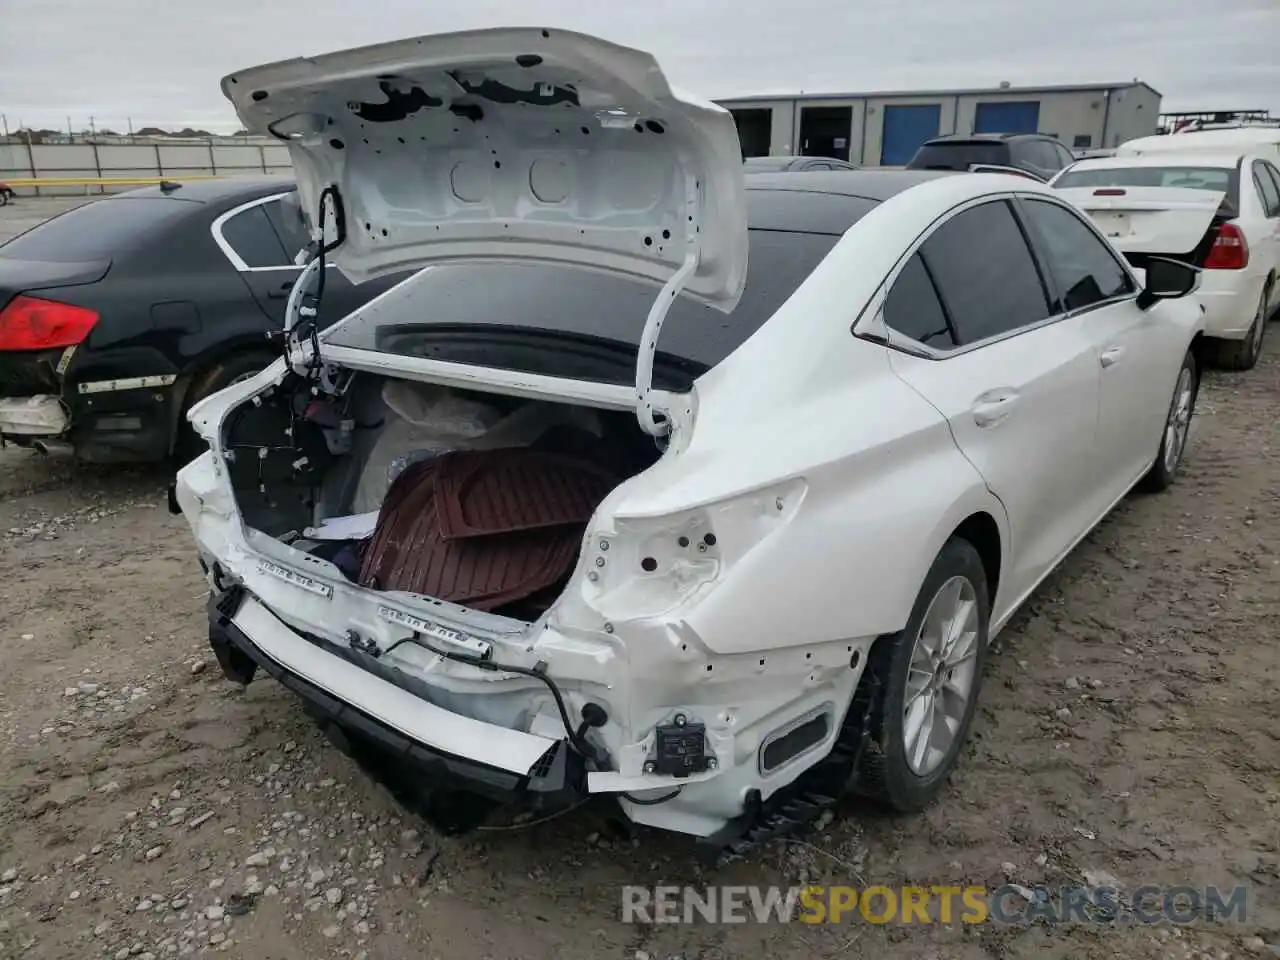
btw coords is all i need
(17, 182)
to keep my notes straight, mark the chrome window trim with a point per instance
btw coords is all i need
(870, 324)
(229, 252)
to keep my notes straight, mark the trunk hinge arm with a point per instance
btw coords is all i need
(658, 314)
(309, 286)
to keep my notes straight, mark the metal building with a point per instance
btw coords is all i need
(886, 128)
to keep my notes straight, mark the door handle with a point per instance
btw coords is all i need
(1111, 356)
(991, 408)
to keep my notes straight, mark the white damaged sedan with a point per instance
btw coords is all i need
(650, 483)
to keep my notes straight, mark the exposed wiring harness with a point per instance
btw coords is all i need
(304, 304)
(577, 737)
(656, 800)
(503, 828)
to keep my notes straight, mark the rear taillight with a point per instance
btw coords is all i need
(1230, 250)
(29, 323)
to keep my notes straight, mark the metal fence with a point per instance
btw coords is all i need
(68, 163)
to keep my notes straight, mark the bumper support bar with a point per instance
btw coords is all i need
(536, 774)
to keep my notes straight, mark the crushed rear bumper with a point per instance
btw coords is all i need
(442, 785)
(39, 416)
(78, 398)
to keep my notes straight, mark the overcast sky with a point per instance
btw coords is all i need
(159, 62)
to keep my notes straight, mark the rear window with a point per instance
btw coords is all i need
(578, 303)
(959, 155)
(1226, 179)
(97, 230)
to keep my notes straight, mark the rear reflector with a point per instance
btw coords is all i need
(29, 323)
(1230, 250)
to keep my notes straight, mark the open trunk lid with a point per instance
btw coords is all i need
(517, 144)
(1171, 221)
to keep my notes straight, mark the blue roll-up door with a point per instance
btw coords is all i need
(905, 129)
(1020, 116)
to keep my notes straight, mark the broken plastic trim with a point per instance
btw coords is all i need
(658, 314)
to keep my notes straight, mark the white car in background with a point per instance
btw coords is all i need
(1155, 203)
(1259, 139)
(846, 423)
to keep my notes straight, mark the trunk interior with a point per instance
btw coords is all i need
(473, 498)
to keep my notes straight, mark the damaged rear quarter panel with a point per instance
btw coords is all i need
(847, 560)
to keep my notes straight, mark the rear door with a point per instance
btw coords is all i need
(1139, 352)
(1017, 383)
(1267, 180)
(261, 239)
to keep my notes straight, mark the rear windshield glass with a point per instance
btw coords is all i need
(577, 303)
(96, 230)
(1189, 177)
(1196, 178)
(959, 155)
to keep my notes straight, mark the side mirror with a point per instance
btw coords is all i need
(1167, 280)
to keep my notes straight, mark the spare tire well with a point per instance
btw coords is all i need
(982, 532)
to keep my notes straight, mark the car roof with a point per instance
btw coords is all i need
(217, 190)
(983, 137)
(1191, 159)
(1202, 140)
(826, 202)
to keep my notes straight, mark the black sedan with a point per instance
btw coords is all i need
(118, 315)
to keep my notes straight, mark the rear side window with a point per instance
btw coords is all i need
(1038, 153)
(290, 226)
(251, 236)
(913, 309)
(959, 155)
(98, 230)
(985, 274)
(1085, 270)
(1274, 174)
(1266, 189)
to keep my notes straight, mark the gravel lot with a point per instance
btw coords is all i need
(1129, 727)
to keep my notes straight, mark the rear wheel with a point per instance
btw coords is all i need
(234, 369)
(1177, 427)
(1244, 354)
(929, 676)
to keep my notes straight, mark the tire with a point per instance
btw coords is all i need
(1244, 354)
(240, 366)
(1182, 405)
(4, 198)
(886, 774)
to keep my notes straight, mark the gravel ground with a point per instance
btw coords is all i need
(1129, 729)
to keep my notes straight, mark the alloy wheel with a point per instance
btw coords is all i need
(940, 677)
(1179, 422)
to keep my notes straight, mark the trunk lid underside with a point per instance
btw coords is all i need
(511, 144)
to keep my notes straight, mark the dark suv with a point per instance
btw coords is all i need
(1033, 153)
